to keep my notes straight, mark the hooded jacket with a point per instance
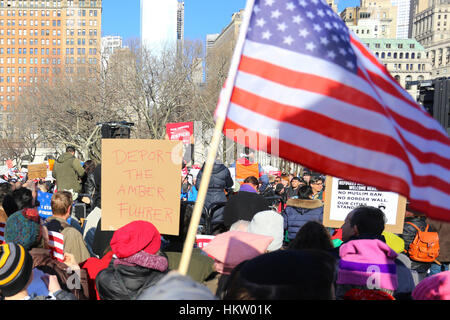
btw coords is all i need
(298, 212)
(67, 170)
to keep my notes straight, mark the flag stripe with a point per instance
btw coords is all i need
(318, 161)
(320, 85)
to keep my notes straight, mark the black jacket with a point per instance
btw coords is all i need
(123, 282)
(243, 206)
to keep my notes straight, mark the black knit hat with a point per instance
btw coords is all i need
(16, 265)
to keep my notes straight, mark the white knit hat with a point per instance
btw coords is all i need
(268, 223)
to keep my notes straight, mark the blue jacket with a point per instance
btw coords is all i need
(298, 212)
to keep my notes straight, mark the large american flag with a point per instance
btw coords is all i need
(302, 82)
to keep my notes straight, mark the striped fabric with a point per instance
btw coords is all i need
(2, 232)
(56, 244)
(312, 93)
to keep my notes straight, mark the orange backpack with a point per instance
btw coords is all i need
(425, 246)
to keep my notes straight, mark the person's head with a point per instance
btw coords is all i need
(435, 287)
(312, 235)
(316, 183)
(305, 192)
(363, 221)
(285, 180)
(291, 175)
(17, 200)
(277, 180)
(70, 149)
(306, 175)
(61, 204)
(16, 269)
(5, 188)
(284, 275)
(269, 223)
(253, 181)
(296, 182)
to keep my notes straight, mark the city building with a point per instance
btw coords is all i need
(109, 44)
(220, 47)
(405, 14)
(42, 39)
(405, 59)
(162, 24)
(432, 29)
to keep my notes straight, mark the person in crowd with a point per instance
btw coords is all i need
(5, 189)
(442, 262)
(413, 220)
(245, 204)
(68, 171)
(362, 230)
(312, 235)
(306, 175)
(231, 248)
(316, 183)
(434, 287)
(137, 262)
(61, 204)
(201, 266)
(188, 190)
(283, 275)
(16, 275)
(26, 229)
(281, 188)
(268, 223)
(301, 210)
(17, 200)
(102, 239)
(220, 181)
(87, 180)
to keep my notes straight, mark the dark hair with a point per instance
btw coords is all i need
(247, 150)
(70, 149)
(17, 200)
(305, 192)
(369, 220)
(315, 178)
(253, 180)
(312, 235)
(283, 275)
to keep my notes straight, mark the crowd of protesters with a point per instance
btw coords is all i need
(267, 242)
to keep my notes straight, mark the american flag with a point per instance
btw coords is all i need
(312, 93)
(56, 245)
(2, 232)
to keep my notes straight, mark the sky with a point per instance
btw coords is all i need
(201, 17)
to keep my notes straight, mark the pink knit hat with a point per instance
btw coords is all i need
(435, 287)
(368, 263)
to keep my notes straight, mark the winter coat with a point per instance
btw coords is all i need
(408, 235)
(123, 282)
(97, 179)
(443, 230)
(298, 212)
(73, 239)
(44, 262)
(67, 171)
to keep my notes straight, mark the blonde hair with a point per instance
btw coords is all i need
(60, 202)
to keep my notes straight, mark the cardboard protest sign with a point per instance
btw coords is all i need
(141, 181)
(342, 196)
(37, 171)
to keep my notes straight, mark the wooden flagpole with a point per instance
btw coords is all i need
(220, 121)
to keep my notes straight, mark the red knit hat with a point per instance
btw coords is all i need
(134, 237)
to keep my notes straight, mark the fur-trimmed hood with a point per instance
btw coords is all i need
(304, 203)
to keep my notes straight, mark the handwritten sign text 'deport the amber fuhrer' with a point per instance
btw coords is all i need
(141, 181)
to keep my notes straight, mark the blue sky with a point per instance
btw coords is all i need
(201, 17)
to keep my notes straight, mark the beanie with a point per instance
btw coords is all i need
(435, 287)
(368, 263)
(134, 237)
(23, 228)
(269, 223)
(16, 266)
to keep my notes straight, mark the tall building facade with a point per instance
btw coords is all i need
(41, 39)
(405, 13)
(432, 29)
(162, 24)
